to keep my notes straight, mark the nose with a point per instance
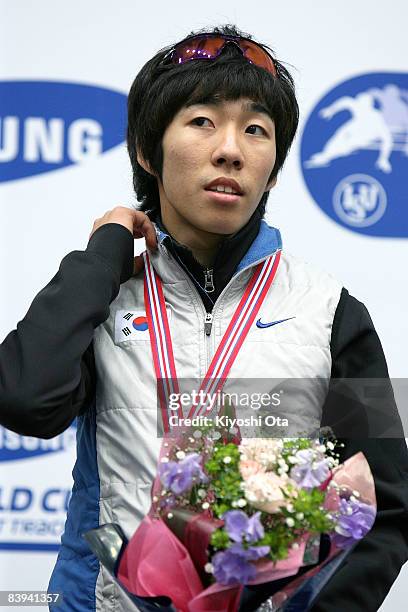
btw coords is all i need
(227, 151)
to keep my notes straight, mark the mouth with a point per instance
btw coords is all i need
(222, 197)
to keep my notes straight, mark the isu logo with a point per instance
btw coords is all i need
(354, 154)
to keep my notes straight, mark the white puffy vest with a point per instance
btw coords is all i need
(126, 402)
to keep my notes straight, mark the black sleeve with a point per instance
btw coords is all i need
(47, 364)
(363, 580)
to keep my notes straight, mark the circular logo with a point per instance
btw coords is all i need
(354, 154)
(359, 200)
(140, 323)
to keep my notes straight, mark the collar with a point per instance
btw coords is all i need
(266, 239)
(266, 242)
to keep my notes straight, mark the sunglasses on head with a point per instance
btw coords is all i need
(209, 46)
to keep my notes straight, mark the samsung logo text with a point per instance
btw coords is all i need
(46, 125)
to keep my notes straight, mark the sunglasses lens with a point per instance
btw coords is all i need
(209, 47)
(257, 56)
(198, 47)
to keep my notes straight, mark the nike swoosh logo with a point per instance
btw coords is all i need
(262, 325)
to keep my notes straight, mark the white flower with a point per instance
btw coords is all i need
(208, 567)
(180, 454)
(265, 451)
(227, 459)
(241, 502)
(205, 505)
(290, 522)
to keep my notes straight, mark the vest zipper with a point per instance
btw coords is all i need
(208, 323)
(231, 281)
(190, 278)
(194, 282)
(209, 280)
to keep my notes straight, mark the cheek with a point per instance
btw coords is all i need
(188, 156)
(181, 155)
(263, 174)
(182, 164)
(265, 169)
(176, 182)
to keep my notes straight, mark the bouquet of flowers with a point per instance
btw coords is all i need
(235, 523)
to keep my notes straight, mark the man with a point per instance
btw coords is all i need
(211, 120)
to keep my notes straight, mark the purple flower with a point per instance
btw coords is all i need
(255, 530)
(355, 520)
(233, 565)
(179, 476)
(310, 471)
(238, 526)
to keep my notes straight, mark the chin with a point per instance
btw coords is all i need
(223, 228)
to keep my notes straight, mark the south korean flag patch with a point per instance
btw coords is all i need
(133, 325)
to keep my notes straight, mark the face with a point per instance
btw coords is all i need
(202, 143)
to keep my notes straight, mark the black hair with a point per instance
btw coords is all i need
(159, 91)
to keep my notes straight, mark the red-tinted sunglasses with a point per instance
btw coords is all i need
(209, 46)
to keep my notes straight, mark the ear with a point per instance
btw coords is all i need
(145, 165)
(271, 184)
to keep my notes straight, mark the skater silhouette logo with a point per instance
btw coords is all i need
(354, 154)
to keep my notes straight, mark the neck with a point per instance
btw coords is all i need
(203, 245)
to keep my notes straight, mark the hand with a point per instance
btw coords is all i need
(137, 222)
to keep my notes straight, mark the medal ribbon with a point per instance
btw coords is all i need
(228, 349)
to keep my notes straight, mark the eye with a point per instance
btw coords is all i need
(260, 127)
(199, 119)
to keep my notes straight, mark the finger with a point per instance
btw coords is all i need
(138, 264)
(146, 229)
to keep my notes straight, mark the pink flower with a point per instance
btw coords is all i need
(249, 468)
(264, 491)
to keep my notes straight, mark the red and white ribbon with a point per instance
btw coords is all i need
(228, 349)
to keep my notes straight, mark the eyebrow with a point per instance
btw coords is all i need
(255, 107)
(246, 107)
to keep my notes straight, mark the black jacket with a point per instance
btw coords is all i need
(47, 378)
